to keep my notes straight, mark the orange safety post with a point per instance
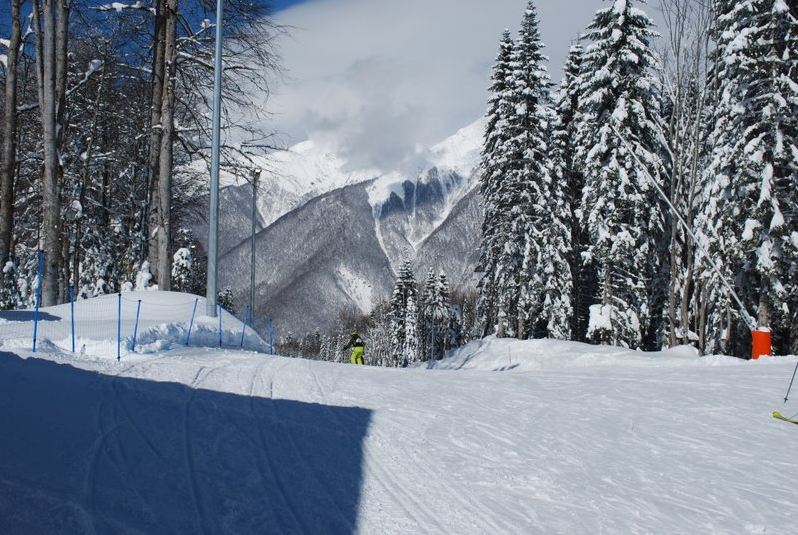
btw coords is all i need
(761, 343)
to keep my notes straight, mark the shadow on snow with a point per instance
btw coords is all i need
(82, 452)
(27, 315)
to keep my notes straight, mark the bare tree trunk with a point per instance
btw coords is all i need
(164, 266)
(150, 228)
(46, 59)
(61, 121)
(500, 329)
(763, 315)
(9, 149)
(702, 321)
(608, 302)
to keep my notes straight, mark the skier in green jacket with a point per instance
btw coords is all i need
(358, 348)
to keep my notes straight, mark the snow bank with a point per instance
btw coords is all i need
(164, 320)
(495, 354)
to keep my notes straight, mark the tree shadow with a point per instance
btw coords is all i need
(27, 315)
(82, 452)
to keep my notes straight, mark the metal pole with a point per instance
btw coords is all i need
(119, 327)
(271, 336)
(72, 314)
(220, 325)
(244, 328)
(255, 175)
(136, 326)
(213, 220)
(38, 299)
(191, 325)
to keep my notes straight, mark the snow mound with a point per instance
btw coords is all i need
(502, 354)
(106, 325)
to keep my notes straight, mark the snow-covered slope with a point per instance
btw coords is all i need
(313, 263)
(501, 354)
(164, 320)
(207, 441)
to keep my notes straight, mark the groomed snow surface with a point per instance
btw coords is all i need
(502, 437)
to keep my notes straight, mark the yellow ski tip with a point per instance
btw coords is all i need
(780, 416)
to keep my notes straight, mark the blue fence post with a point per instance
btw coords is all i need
(136, 326)
(244, 328)
(72, 314)
(38, 299)
(191, 325)
(271, 337)
(119, 326)
(219, 309)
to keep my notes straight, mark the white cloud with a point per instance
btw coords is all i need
(375, 80)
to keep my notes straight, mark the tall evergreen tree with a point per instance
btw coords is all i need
(569, 178)
(426, 315)
(405, 289)
(411, 354)
(493, 168)
(620, 93)
(528, 182)
(750, 199)
(440, 317)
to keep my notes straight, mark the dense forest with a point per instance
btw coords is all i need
(106, 131)
(652, 199)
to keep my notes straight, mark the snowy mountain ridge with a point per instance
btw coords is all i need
(309, 169)
(330, 239)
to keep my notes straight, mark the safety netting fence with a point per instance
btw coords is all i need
(131, 323)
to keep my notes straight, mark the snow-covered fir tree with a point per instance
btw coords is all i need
(225, 300)
(528, 182)
(569, 182)
(620, 103)
(750, 199)
(411, 354)
(378, 338)
(426, 314)
(516, 182)
(405, 288)
(493, 168)
(194, 278)
(441, 316)
(9, 291)
(144, 278)
(181, 270)
(455, 331)
(554, 269)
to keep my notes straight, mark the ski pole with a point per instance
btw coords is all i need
(787, 395)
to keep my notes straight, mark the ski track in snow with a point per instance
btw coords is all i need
(592, 449)
(191, 469)
(274, 472)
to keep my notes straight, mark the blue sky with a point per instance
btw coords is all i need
(283, 4)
